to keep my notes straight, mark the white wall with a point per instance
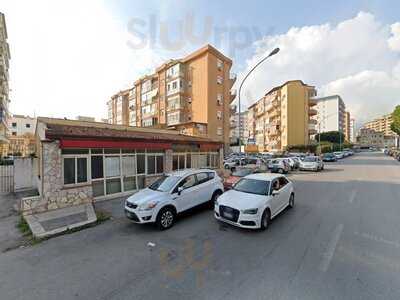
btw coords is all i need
(19, 125)
(25, 170)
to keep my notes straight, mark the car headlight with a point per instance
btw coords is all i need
(251, 211)
(148, 205)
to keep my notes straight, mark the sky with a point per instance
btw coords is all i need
(69, 57)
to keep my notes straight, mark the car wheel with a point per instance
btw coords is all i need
(165, 218)
(291, 201)
(214, 198)
(280, 171)
(265, 219)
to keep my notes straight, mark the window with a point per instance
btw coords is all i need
(202, 177)
(141, 163)
(97, 167)
(14, 124)
(220, 99)
(219, 131)
(178, 162)
(14, 133)
(188, 182)
(219, 79)
(282, 182)
(75, 170)
(112, 166)
(219, 115)
(28, 125)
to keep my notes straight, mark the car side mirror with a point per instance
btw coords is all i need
(180, 189)
(275, 192)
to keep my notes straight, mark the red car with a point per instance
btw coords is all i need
(236, 175)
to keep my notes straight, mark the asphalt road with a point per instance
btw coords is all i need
(342, 241)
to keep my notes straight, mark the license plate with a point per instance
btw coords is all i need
(228, 215)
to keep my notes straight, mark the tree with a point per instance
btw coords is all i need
(331, 136)
(395, 126)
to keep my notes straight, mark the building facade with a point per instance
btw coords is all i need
(381, 124)
(346, 130)
(352, 130)
(4, 85)
(332, 115)
(82, 162)
(283, 117)
(370, 138)
(191, 95)
(21, 140)
(239, 126)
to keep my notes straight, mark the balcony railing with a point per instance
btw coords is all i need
(312, 112)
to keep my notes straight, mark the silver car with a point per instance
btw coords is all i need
(312, 163)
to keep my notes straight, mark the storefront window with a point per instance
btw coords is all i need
(69, 170)
(75, 170)
(112, 166)
(97, 167)
(81, 173)
(141, 163)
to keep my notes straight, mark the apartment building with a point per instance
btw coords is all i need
(4, 89)
(346, 129)
(284, 117)
(352, 130)
(239, 126)
(331, 114)
(381, 124)
(21, 141)
(191, 95)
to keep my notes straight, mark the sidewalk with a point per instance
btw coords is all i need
(10, 236)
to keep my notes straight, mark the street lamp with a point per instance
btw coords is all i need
(273, 52)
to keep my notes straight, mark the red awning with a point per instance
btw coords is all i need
(68, 143)
(208, 146)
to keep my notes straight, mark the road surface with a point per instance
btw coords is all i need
(342, 241)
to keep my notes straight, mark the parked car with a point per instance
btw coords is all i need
(229, 164)
(297, 161)
(312, 163)
(279, 165)
(329, 157)
(236, 175)
(255, 200)
(339, 155)
(172, 194)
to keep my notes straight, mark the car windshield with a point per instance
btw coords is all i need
(252, 186)
(242, 172)
(328, 155)
(164, 184)
(310, 159)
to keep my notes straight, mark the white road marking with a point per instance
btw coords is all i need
(352, 196)
(378, 239)
(330, 250)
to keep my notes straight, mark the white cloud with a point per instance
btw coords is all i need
(354, 58)
(394, 41)
(69, 57)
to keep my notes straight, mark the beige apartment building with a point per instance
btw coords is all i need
(4, 89)
(381, 124)
(21, 140)
(283, 117)
(191, 95)
(346, 127)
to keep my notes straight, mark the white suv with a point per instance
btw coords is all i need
(172, 194)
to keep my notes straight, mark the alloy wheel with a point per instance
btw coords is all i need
(167, 218)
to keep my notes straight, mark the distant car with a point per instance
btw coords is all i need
(236, 175)
(172, 194)
(279, 165)
(255, 200)
(339, 155)
(229, 164)
(312, 163)
(329, 157)
(297, 161)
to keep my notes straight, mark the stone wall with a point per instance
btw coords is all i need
(54, 194)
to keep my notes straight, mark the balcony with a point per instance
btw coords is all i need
(274, 131)
(175, 104)
(233, 95)
(312, 102)
(272, 105)
(312, 121)
(312, 131)
(175, 91)
(175, 118)
(275, 113)
(232, 77)
(312, 112)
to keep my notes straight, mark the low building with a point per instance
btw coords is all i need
(370, 138)
(81, 162)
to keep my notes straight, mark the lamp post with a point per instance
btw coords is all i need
(273, 52)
